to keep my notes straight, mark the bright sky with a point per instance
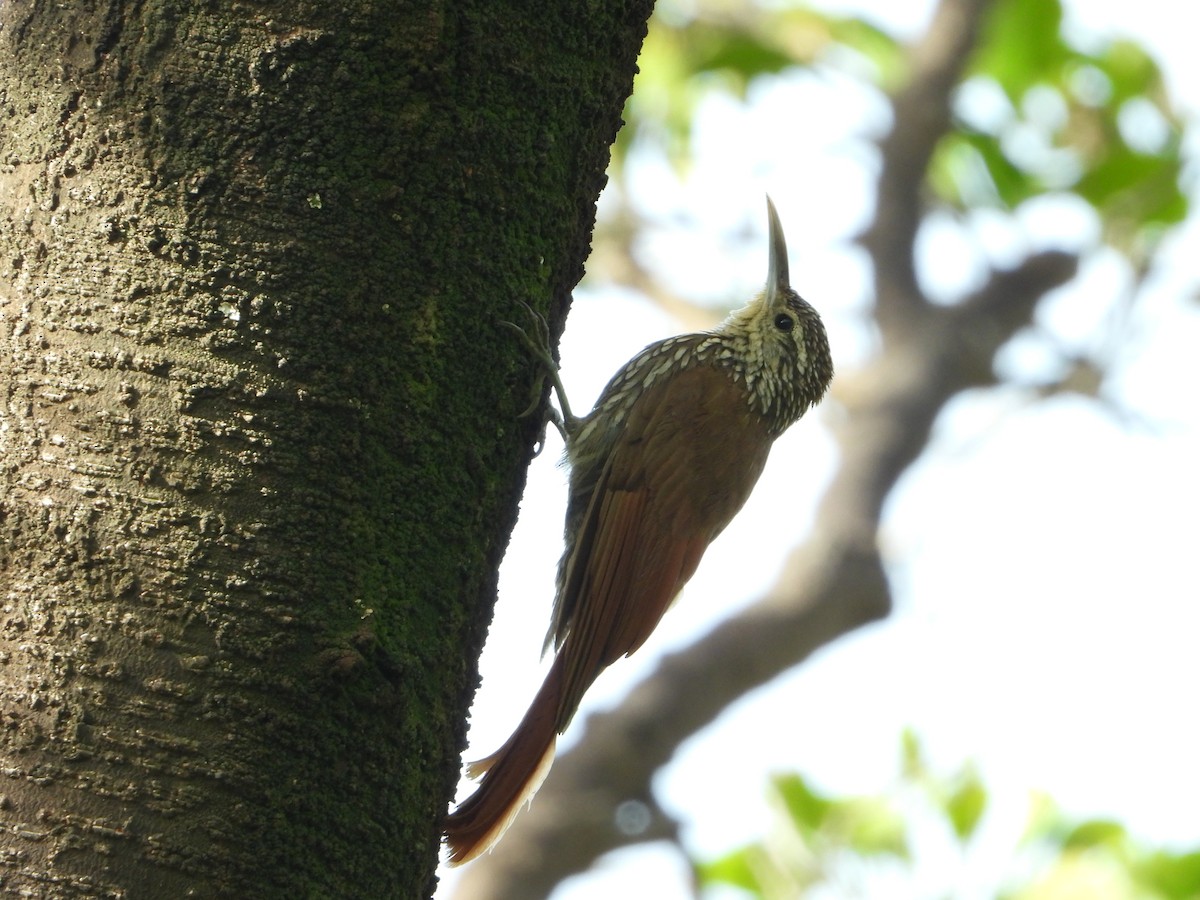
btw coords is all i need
(1042, 553)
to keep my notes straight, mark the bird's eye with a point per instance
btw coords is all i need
(784, 322)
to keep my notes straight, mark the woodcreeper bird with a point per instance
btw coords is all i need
(662, 464)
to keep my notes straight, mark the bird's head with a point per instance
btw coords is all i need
(781, 341)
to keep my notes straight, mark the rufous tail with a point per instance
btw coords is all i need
(510, 776)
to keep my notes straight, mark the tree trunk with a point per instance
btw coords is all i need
(259, 444)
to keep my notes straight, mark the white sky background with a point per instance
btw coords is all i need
(1042, 553)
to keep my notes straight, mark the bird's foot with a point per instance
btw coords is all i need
(539, 345)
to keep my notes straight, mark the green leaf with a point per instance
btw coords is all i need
(912, 756)
(1021, 43)
(1131, 179)
(1135, 193)
(1132, 71)
(806, 808)
(969, 169)
(1095, 833)
(693, 52)
(965, 805)
(1175, 876)
(733, 869)
(871, 826)
(1122, 171)
(882, 50)
(740, 53)
(1013, 185)
(831, 842)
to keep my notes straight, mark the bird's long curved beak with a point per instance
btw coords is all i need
(778, 281)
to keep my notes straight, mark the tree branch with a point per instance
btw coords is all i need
(921, 116)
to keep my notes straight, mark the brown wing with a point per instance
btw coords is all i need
(691, 451)
(688, 457)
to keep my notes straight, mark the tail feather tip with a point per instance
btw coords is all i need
(473, 829)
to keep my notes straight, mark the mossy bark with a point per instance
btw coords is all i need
(259, 445)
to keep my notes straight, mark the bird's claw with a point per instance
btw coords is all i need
(539, 346)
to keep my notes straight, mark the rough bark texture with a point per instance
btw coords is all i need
(834, 583)
(259, 452)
